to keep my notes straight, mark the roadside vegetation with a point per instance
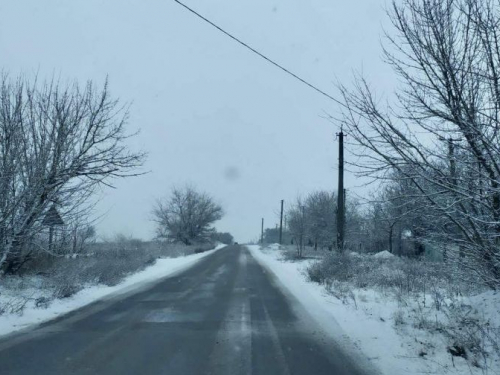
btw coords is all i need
(187, 216)
(58, 146)
(449, 323)
(427, 240)
(427, 300)
(107, 263)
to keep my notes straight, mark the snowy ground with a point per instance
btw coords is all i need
(369, 321)
(33, 315)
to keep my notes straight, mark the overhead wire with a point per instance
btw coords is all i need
(257, 52)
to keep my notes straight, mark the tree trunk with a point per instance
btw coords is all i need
(390, 238)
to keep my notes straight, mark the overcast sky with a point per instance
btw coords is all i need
(211, 113)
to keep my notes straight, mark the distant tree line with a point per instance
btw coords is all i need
(222, 237)
(389, 221)
(312, 221)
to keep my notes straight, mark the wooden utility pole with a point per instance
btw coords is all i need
(451, 156)
(281, 223)
(302, 231)
(262, 232)
(340, 196)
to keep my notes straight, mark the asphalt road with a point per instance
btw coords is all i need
(225, 315)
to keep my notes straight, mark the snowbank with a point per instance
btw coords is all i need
(383, 255)
(273, 246)
(487, 304)
(161, 268)
(368, 322)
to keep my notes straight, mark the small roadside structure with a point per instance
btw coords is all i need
(52, 219)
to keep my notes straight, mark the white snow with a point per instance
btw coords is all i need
(368, 322)
(383, 255)
(273, 246)
(161, 268)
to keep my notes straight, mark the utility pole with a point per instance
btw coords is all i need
(302, 231)
(262, 232)
(281, 223)
(340, 195)
(451, 156)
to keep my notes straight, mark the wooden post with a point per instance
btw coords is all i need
(340, 196)
(281, 223)
(262, 232)
(51, 237)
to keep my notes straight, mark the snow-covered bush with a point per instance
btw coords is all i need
(398, 317)
(339, 267)
(47, 277)
(66, 288)
(13, 305)
(430, 297)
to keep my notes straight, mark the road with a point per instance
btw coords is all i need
(225, 315)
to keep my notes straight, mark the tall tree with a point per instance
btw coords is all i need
(186, 216)
(442, 134)
(321, 218)
(57, 144)
(297, 224)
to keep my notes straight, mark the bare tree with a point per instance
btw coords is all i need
(186, 216)
(57, 144)
(223, 237)
(297, 224)
(442, 134)
(312, 221)
(321, 208)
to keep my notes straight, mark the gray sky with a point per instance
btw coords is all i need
(211, 113)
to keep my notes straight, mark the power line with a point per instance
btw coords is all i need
(257, 52)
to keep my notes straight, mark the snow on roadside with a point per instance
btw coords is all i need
(383, 255)
(161, 268)
(368, 323)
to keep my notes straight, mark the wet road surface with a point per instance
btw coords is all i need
(225, 315)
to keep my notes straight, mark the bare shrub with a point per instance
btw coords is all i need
(105, 263)
(50, 277)
(398, 317)
(430, 297)
(66, 289)
(43, 302)
(14, 305)
(200, 248)
(335, 266)
(471, 333)
(289, 253)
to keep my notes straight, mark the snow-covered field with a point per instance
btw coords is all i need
(32, 315)
(375, 323)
